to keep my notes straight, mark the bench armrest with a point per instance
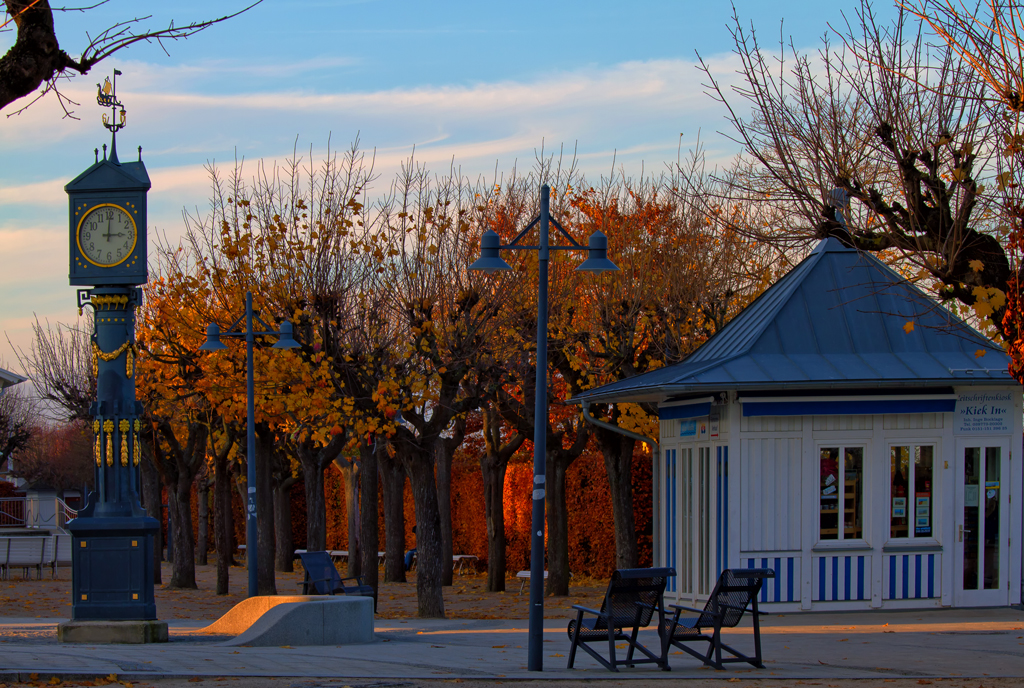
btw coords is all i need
(680, 607)
(316, 580)
(581, 608)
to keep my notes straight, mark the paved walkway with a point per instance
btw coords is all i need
(880, 644)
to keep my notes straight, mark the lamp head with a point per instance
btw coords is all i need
(286, 340)
(490, 259)
(213, 342)
(597, 255)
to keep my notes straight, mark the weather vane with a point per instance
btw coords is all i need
(106, 96)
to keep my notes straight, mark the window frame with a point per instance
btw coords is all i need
(841, 541)
(911, 538)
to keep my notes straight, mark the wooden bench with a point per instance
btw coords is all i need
(630, 603)
(735, 590)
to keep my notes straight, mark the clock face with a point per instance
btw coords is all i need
(107, 235)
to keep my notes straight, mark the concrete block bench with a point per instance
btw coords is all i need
(296, 620)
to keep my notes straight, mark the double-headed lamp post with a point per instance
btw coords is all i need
(490, 261)
(213, 343)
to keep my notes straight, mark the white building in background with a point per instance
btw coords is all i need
(870, 463)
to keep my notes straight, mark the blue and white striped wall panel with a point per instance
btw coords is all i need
(911, 576)
(841, 577)
(785, 587)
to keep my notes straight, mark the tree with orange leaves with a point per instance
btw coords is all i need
(679, 280)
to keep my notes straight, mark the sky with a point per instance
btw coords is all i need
(483, 84)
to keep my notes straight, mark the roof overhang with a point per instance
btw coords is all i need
(665, 394)
(9, 379)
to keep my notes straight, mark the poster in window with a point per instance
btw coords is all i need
(970, 495)
(923, 515)
(899, 507)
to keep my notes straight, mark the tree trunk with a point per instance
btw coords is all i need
(392, 475)
(369, 535)
(178, 468)
(443, 473)
(314, 462)
(558, 528)
(183, 569)
(350, 474)
(618, 464)
(172, 518)
(316, 507)
(203, 516)
(223, 525)
(493, 465)
(151, 493)
(265, 545)
(493, 471)
(283, 525)
(429, 595)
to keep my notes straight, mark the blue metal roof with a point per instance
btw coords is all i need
(836, 320)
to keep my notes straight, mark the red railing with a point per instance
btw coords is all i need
(12, 511)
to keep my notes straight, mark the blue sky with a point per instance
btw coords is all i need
(484, 83)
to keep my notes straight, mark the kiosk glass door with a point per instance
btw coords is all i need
(980, 569)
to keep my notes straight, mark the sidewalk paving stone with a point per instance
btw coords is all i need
(868, 645)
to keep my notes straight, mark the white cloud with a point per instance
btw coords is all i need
(631, 113)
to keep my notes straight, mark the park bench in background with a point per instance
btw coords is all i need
(322, 578)
(524, 576)
(460, 559)
(632, 599)
(24, 552)
(58, 552)
(735, 590)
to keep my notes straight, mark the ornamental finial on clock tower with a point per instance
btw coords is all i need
(106, 96)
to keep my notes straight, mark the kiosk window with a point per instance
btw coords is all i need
(910, 491)
(840, 492)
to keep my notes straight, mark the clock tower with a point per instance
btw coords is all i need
(113, 537)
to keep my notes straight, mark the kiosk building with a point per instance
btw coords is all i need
(848, 432)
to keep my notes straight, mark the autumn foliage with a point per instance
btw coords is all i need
(415, 369)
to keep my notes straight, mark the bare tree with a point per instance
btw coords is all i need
(988, 39)
(899, 128)
(36, 58)
(15, 422)
(60, 363)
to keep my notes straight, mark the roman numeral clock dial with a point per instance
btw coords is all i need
(107, 235)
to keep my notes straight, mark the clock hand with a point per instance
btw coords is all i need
(108, 234)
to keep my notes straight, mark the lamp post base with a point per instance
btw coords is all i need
(112, 632)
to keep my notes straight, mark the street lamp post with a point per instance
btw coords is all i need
(213, 343)
(490, 261)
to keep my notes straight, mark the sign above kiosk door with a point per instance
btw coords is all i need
(989, 412)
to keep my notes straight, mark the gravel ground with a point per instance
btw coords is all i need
(466, 599)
